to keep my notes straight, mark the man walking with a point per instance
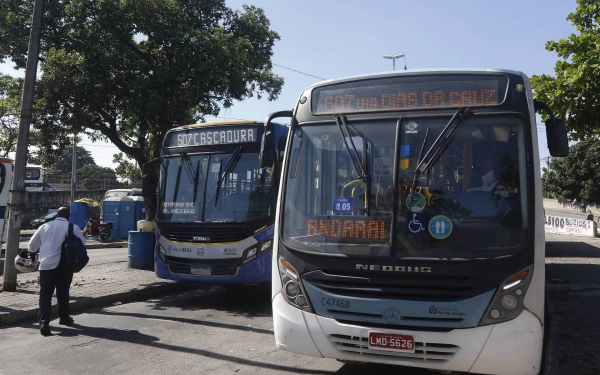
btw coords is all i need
(48, 239)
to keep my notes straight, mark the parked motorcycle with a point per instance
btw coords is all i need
(94, 228)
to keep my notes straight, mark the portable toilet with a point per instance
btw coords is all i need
(140, 208)
(80, 213)
(121, 211)
(128, 217)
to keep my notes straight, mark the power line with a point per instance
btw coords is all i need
(297, 71)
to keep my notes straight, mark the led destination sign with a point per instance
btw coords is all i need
(212, 136)
(407, 93)
(347, 228)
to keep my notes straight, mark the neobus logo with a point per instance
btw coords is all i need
(378, 267)
(196, 238)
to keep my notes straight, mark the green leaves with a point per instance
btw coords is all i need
(577, 81)
(577, 175)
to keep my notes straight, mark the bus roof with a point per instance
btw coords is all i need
(415, 72)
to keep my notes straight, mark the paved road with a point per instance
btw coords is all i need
(97, 256)
(214, 331)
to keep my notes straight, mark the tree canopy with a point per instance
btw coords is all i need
(10, 105)
(577, 175)
(575, 91)
(127, 71)
(82, 157)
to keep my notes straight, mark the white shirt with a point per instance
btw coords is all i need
(49, 239)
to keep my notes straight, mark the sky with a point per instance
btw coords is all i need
(341, 38)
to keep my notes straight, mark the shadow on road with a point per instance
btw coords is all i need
(571, 249)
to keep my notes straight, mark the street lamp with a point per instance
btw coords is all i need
(394, 57)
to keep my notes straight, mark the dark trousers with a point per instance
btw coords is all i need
(49, 280)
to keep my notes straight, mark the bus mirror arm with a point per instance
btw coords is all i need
(267, 151)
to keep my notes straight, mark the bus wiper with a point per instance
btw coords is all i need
(233, 160)
(196, 178)
(187, 163)
(442, 141)
(360, 169)
(414, 183)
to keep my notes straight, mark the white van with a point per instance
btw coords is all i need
(116, 193)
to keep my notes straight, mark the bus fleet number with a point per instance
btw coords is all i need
(334, 302)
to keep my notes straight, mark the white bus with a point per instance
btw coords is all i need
(34, 178)
(6, 171)
(409, 228)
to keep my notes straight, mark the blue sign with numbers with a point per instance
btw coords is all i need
(342, 205)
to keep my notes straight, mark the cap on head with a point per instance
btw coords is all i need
(64, 212)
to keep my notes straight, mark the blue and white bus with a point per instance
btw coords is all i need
(410, 226)
(216, 206)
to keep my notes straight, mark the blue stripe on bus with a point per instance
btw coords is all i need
(264, 234)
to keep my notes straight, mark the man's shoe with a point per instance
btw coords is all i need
(66, 321)
(45, 330)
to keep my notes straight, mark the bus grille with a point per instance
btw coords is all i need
(218, 267)
(421, 287)
(429, 352)
(221, 232)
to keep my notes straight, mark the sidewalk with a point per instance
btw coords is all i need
(94, 286)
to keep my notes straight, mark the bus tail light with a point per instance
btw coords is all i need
(292, 289)
(507, 303)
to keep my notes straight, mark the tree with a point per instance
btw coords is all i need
(93, 177)
(575, 91)
(129, 70)
(82, 157)
(127, 170)
(10, 105)
(577, 175)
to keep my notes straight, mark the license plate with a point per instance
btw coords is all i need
(200, 271)
(391, 341)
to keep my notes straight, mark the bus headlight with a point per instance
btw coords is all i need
(507, 303)
(161, 251)
(250, 254)
(292, 289)
(266, 245)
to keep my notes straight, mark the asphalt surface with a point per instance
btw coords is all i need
(209, 331)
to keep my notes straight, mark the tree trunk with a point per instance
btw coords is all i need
(149, 190)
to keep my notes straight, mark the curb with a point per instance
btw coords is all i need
(91, 302)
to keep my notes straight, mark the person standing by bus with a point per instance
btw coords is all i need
(48, 240)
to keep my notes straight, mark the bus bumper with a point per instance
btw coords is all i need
(257, 271)
(513, 347)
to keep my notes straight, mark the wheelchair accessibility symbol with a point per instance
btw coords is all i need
(440, 227)
(416, 222)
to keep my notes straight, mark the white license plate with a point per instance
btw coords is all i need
(200, 271)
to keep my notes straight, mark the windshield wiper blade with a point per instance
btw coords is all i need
(362, 174)
(447, 134)
(233, 160)
(414, 183)
(196, 178)
(360, 168)
(187, 163)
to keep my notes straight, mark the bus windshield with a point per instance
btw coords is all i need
(195, 188)
(471, 203)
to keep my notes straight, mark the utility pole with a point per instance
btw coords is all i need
(74, 169)
(17, 193)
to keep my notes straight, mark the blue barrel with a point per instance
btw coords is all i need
(141, 250)
(80, 213)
